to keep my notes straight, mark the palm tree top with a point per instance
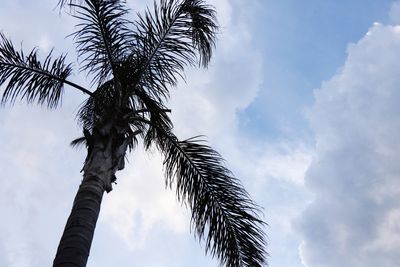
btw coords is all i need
(133, 65)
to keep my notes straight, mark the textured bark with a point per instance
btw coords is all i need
(106, 151)
(99, 170)
(74, 247)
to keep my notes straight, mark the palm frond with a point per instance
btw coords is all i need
(157, 116)
(29, 79)
(78, 142)
(63, 3)
(176, 34)
(103, 36)
(203, 27)
(219, 203)
(100, 106)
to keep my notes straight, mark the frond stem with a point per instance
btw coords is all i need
(143, 111)
(106, 44)
(76, 86)
(158, 45)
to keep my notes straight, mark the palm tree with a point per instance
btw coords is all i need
(133, 66)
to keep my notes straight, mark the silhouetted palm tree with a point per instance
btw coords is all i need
(133, 66)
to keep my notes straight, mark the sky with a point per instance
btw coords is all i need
(301, 99)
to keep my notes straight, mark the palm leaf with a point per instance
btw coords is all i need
(78, 142)
(176, 34)
(103, 36)
(99, 107)
(102, 107)
(157, 117)
(63, 3)
(219, 203)
(29, 79)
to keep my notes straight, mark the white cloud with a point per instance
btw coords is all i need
(45, 43)
(140, 202)
(209, 102)
(35, 183)
(35, 23)
(275, 177)
(355, 174)
(287, 162)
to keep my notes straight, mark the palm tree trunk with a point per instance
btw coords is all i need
(76, 240)
(99, 172)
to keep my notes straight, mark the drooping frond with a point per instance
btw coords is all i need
(157, 115)
(29, 79)
(176, 34)
(222, 211)
(103, 36)
(203, 28)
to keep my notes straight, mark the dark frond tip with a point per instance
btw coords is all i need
(78, 142)
(68, 3)
(222, 211)
(204, 28)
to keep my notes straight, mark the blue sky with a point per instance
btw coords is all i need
(301, 98)
(302, 44)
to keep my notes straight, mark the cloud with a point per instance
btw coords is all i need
(394, 13)
(36, 181)
(140, 202)
(45, 32)
(355, 173)
(209, 102)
